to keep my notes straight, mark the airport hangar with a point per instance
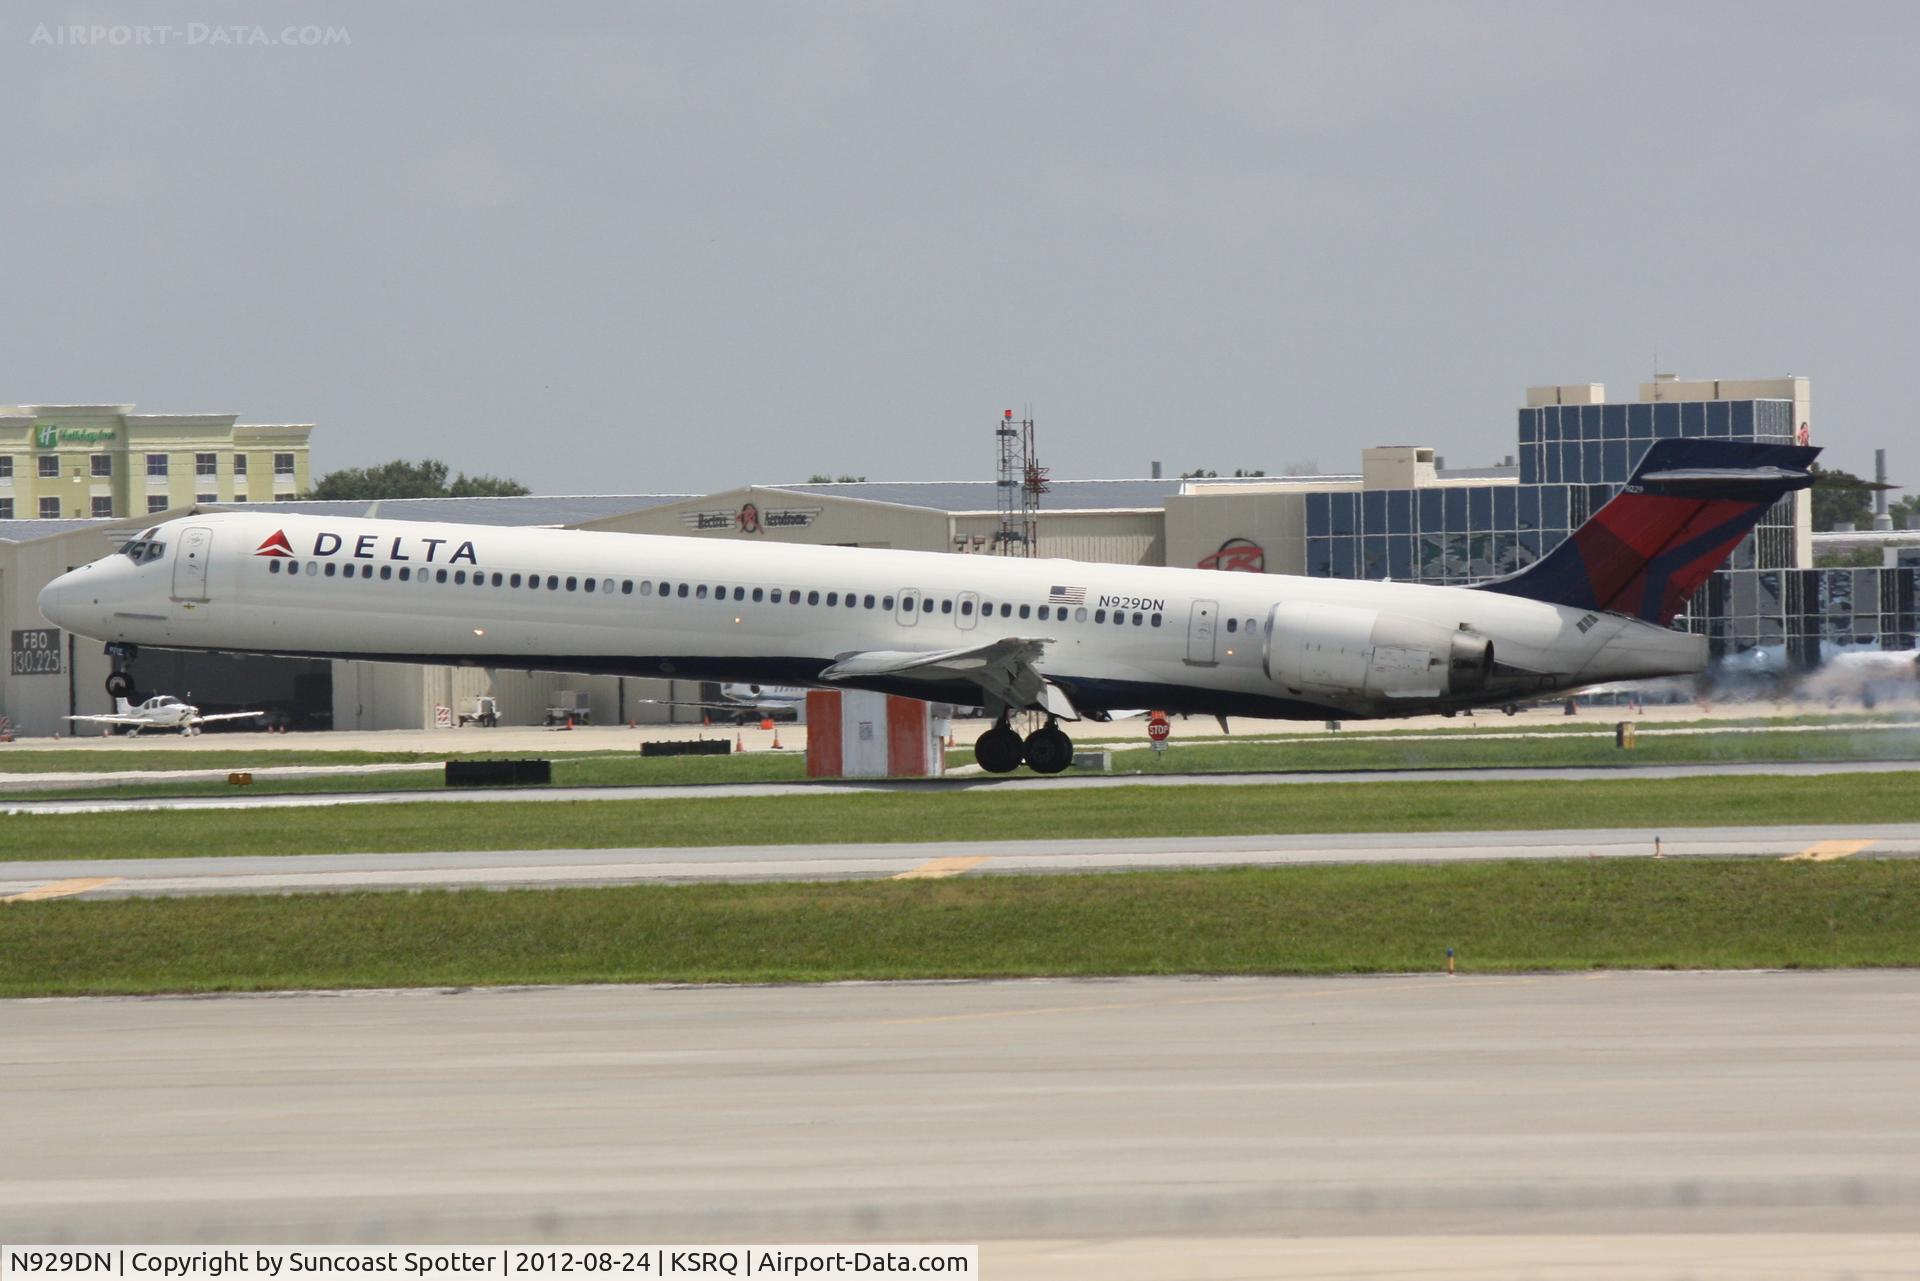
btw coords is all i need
(1403, 515)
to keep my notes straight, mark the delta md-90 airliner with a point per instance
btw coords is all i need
(1068, 639)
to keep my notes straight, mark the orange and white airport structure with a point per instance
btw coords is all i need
(856, 734)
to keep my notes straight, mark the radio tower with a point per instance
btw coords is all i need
(1022, 480)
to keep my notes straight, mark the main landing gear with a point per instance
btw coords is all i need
(1047, 750)
(120, 679)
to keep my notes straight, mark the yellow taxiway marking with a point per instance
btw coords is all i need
(939, 867)
(1824, 851)
(60, 889)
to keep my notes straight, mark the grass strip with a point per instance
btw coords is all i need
(578, 771)
(988, 813)
(1203, 756)
(126, 756)
(1317, 920)
(1495, 750)
(1590, 720)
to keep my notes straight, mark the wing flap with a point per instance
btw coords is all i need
(1004, 668)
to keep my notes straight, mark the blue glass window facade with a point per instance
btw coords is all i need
(1810, 613)
(1555, 439)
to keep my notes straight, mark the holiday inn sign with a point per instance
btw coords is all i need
(47, 435)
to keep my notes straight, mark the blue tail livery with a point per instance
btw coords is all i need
(1687, 506)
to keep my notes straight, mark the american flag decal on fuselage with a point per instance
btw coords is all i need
(1067, 595)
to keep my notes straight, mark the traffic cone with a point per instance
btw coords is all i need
(569, 722)
(705, 719)
(739, 744)
(776, 739)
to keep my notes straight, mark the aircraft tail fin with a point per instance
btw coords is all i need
(1688, 504)
(121, 707)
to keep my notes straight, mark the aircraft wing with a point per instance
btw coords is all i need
(113, 720)
(225, 716)
(1003, 668)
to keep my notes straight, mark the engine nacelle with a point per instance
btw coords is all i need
(1316, 648)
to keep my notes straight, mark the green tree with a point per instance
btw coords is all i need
(821, 478)
(465, 486)
(1906, 512)
(401, 479)
(1840, 496)
(1847, 558)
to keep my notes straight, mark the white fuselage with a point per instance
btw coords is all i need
(773, 613)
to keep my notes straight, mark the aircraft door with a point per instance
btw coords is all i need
(907, 613)
(190, 557)
(969, 608)
(1203, 626)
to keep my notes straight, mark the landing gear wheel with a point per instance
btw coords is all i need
(998, 750)
(1049, 750)
(120, 685)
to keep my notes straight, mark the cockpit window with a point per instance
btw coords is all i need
(142, 550)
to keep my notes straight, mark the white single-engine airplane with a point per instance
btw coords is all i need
(1064, 638)
(162, 711)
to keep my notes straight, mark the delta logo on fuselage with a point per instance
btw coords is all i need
(365, 547)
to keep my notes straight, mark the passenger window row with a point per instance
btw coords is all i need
(695, 591)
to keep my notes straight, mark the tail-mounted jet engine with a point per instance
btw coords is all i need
(1338, 649)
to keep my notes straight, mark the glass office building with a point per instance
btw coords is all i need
(1572, 459)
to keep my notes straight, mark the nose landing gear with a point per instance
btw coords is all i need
(120, 679)
(1047, 750)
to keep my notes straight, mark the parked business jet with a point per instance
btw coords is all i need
(162, 711)
(1064, 638)
(744, 703)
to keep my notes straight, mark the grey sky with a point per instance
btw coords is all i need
(632, 247)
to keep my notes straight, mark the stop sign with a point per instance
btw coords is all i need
(1157, 728)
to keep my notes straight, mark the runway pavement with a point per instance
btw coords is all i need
(510, 869)
(1727, 1124)
(1018, 782)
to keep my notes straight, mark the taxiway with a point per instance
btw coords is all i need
(1564, 1120)
(524, 869)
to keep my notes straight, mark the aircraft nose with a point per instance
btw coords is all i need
(57, 599)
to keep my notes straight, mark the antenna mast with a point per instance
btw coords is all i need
(1021, 482)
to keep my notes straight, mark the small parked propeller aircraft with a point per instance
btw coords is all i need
(162, 711)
